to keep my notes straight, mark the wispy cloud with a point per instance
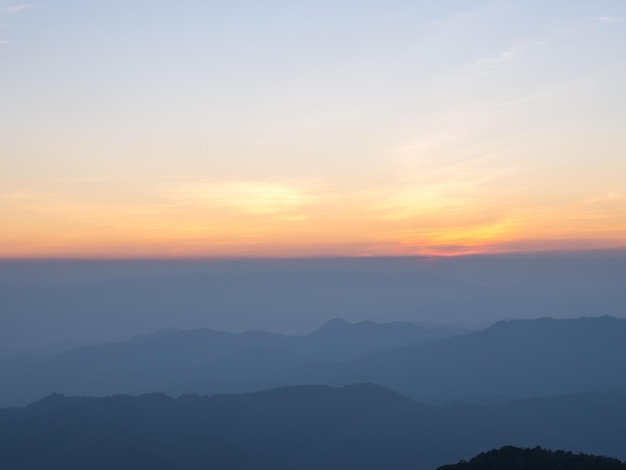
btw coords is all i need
(18, 196)
(11, 10)
(252, 197)
(615, 195)
(483, 67)
(502, 57)
(608, 19)
(14, 9)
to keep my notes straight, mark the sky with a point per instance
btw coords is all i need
(313, 128)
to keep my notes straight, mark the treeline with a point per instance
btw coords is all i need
(514, 458)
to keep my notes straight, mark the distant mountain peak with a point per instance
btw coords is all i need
(339, 325)
(334, 325)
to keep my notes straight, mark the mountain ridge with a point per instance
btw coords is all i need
(512, 359)
(508, 360)
(309, 427)
(172, 359)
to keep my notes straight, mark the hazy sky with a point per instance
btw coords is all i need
(277, 128)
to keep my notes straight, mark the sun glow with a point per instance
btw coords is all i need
(263, 218)
(272, 140)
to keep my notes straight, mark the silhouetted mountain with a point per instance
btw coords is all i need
(365, 337)
(523, 358)
(44, 301)
(514, 359)
(513, 458)
(314, 427)
(177, 361)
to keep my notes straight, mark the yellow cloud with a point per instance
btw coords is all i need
(252, 197)
(261, 218)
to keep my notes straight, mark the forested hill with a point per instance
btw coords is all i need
(513, 458)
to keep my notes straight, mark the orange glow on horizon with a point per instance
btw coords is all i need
(403, 141)
(296, 238)
(269, 219)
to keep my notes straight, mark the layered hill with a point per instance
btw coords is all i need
(314, 427)
(178, 361)
(514, 359)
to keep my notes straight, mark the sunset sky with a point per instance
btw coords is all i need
(311, 128)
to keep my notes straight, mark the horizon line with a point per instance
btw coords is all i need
(218, 258)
